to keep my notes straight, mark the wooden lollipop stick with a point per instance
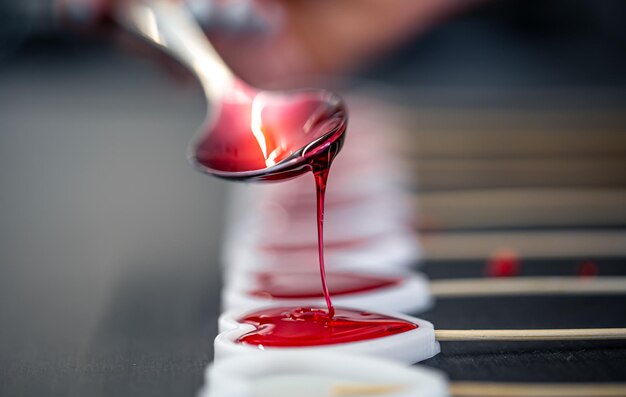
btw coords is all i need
(476, 132)
(488, 389)
(462, 173)
(512, 335)
(497, 389)
(535, 207)
(354, 390)
(527, 286)
(528, 244)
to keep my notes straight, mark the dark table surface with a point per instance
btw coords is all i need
(566, 361)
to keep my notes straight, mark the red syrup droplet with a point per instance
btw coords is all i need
(504, 263)
(267, 137)
(587, 269)
(307, 326)
(301, 285)
(321, 178)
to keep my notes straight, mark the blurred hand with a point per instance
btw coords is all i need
(304, 38)
(327, 36)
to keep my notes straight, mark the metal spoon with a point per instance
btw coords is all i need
(248, 134)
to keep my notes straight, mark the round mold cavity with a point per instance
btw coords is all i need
(398, 250)
(318, 374)
(407, 347)
(408, 293)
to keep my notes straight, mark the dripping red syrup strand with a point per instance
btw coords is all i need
(320, 166)
(321, 178)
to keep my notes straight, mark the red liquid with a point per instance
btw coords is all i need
(504, 263)
(587, 269)
(251, 134)
(321, 178)
(300, 327)
(276, 137)
(300, 285)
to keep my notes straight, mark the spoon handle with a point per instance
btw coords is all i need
(170, 25)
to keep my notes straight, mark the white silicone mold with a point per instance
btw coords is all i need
(391, 251)
(410, 295)
(317, 374)
(408, 347)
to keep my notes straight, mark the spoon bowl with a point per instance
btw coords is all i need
(269, 136)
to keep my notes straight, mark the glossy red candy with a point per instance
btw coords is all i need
(308, 326)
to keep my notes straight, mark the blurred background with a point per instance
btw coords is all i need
(515, 120)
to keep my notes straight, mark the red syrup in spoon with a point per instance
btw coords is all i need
(300, 285)
(310, 326)
(269, 137)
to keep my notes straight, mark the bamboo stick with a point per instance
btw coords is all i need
(492, 389)
(493, 132)
(527, 286)
(432, 174)
(535, 244)
(512, 335)
(539, 207)
(357, 390)
(499, 389)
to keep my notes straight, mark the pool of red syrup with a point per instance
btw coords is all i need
(309, 326)
(306, 285)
